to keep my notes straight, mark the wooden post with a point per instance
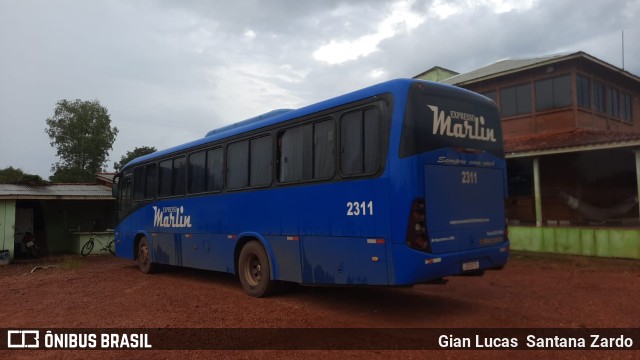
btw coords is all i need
(536, 190)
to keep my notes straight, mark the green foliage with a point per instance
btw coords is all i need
(72, 175)
(82, 135)
(130, 155)
(13, 175)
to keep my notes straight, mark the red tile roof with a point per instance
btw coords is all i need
(567, 139)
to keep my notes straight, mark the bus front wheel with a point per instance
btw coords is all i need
(254, 270)
(144, 257)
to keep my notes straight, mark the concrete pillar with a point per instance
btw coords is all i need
(536, 190)
(637, 152)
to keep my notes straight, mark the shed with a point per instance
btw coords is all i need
(57, 214)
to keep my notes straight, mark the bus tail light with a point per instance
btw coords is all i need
(417, 227)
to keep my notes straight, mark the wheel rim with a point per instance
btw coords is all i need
(143, 255)
(253, 270)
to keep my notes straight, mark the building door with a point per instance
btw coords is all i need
(24, 224)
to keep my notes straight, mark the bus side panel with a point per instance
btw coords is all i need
(167, 248)
(344, 260)
(197, 251)
(286, 258)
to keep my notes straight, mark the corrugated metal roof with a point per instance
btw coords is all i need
(499, 68)
(56, 191)
(568, 140)
(509, 66)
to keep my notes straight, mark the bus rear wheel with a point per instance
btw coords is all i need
(144, 257)
(254, 270)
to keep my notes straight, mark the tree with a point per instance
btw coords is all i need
(82, 134)
(130, 155)
(13, 175)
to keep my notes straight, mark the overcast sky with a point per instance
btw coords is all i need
(168, 71)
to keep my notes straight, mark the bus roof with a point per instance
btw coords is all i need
(281, 115)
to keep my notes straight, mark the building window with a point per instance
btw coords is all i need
(553, 93)
(614, 106)
(599, 101)
(583, 87)
(493, 95)
(515, 100)
(625, 107)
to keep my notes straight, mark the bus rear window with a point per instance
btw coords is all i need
(450, 117)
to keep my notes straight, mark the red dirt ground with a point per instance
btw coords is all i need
(533, 291)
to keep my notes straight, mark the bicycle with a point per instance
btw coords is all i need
(86, 249)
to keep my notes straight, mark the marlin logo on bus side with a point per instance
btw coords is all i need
(466, 125)
(171, 217)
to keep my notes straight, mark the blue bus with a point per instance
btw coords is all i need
(396, 184)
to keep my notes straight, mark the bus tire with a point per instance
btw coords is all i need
(144, 257)
(254, 270)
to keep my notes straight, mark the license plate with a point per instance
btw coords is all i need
(471, 265)
(30, 244)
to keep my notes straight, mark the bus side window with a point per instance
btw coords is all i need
(215, 167)
(205, 171)
(197, 172)
(125, 195)
(307, 152)
(360, 142)
(294, 154)
(179, 175)
(172, 177)
(150, 182)
(324, 164)
(144, 182)
(260, 161)
(372, 145)
(238, 165)
(139, 175)
(164, 178)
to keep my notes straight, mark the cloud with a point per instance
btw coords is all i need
(401, 19)
(169, 71)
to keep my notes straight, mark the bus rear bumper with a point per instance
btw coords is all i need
(419, 267)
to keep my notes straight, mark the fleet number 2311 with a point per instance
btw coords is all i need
(363, 208)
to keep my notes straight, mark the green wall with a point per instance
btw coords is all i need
(62, 220)
(7, 225)
(605, 242)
